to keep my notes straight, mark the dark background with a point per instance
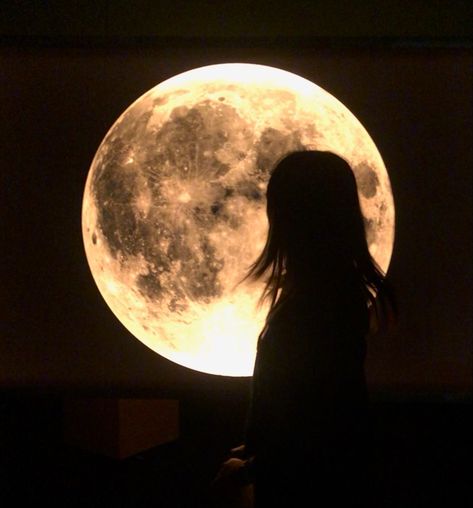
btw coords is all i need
(69, 69)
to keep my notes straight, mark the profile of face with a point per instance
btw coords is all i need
(313, 210)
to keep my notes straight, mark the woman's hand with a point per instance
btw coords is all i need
(227, 484)
(229, 488)
(239, 452)
(229, 470)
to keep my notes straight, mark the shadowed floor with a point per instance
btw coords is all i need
(422, 450)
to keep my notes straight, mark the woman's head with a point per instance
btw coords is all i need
(313, 211)
(316, 226)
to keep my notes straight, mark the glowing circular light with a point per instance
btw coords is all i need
(174, 204)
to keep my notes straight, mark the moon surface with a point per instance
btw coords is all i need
(174, 204)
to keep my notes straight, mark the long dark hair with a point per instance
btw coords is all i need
(316, 233)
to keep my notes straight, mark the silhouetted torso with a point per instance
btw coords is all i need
(308, 421)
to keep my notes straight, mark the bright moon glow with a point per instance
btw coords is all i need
(174, 204)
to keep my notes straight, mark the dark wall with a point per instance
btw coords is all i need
(57, 104)
(239, 18)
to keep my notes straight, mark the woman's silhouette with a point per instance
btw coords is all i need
(308, 431)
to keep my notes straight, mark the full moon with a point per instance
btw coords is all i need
(174, 207)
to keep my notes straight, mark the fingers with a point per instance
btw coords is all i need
(238, 451)
(229, 468)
